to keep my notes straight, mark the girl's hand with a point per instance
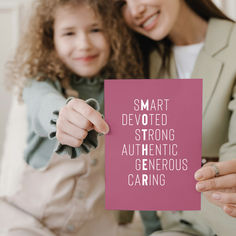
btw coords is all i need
(75, 120)
(217, 180)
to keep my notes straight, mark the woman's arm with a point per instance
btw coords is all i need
(218, 180)
(220, 190)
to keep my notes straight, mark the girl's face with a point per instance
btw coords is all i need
(79, 39)
(152, 18)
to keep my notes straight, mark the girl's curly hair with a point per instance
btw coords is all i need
(36, 57)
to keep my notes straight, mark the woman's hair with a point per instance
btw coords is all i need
(206, 9)
(36, 57)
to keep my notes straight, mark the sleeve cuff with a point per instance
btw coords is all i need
(89, 142)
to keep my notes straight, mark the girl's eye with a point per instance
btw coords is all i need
(68, 34)
(95, 30)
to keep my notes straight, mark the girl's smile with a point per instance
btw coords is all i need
(86, 59)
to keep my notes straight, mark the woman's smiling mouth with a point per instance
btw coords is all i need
(150, 22)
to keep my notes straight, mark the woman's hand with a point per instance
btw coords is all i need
(220, 190)
(75, 120)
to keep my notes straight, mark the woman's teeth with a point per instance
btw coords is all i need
(151, 20)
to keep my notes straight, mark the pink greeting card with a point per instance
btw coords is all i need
(154, 144)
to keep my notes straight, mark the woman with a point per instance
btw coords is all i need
(194, 39)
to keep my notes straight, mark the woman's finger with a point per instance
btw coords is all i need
(230, 210)
(224, 198)
(209, 171)
(226, 181)
(208, 196)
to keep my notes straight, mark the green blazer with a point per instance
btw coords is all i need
(216, 65)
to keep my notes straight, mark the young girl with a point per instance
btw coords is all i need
(194, 39)
(69, 48)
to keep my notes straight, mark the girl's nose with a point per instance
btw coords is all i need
(83, 42)
(136, 8)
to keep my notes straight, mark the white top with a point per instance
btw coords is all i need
(185, 58)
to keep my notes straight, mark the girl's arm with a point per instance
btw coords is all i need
(73, 121)
(43, 99)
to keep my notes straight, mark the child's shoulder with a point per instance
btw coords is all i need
(35, 86)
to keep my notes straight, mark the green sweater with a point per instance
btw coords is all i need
(44, 100)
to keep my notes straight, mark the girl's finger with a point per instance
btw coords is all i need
(230, 210)
(225, 198)
(66, 139)
(226, 181)
(72, 130)
(77, 119)
(208, 171)
(91, 114)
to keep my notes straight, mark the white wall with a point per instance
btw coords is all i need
(12, 15)
(12, 18)
(9, 18)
